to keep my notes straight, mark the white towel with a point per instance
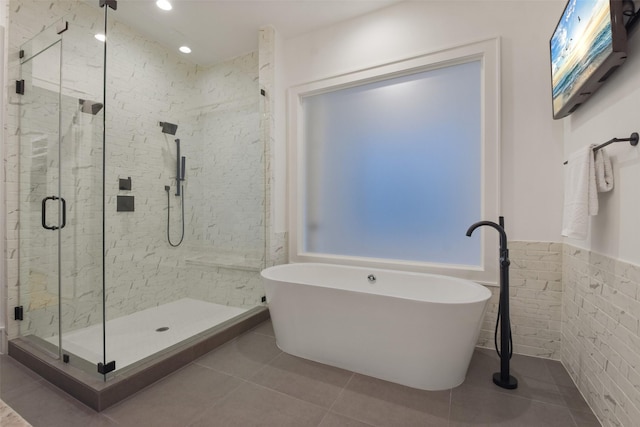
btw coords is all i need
(604, 172)
(580, 194)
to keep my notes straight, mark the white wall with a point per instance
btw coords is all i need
(611, 112)
(531, 168)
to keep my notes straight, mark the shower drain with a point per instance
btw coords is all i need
(162, 329)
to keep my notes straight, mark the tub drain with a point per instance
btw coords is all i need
(162, 329)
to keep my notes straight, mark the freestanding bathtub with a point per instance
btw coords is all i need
(414, 329)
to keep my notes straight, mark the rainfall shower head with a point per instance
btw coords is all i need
(90, 107)
(169, 128)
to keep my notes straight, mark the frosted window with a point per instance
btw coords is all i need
(393, 168)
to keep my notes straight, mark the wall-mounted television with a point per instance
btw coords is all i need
(587, 46)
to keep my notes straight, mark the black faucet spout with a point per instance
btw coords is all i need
(499, 228)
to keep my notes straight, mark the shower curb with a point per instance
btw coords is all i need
(98, 394)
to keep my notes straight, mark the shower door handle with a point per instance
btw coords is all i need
(44, 213)
(64, 212)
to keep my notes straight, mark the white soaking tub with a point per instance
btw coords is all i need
(414, 329)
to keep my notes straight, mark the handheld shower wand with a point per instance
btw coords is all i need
(177, 166)
(181, 163)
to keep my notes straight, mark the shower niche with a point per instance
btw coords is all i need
(101, 291)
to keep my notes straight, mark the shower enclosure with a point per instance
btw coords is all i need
(101, 288)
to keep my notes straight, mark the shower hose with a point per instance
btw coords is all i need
(167, 188)
(495, 334)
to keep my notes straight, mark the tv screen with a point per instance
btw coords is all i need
(588, 44)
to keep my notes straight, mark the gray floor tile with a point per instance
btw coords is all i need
(534, 389)
(14, 375)
(242, 357)
(264, 328)
(535, 381)
(483, 364)
(573, 399)
(585, 419)
(176, 400)
(475, 406)
(310, 381)
(530, 367)
(336, 420)
(249, 381)
(253, 405)
(486, 361)
(381, 403)
(41, 404)
(560, 375)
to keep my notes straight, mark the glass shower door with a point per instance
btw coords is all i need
(61, 122)
(41, 209)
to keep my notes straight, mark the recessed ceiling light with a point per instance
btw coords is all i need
(164, 4)
(185, 49)
(101, 37)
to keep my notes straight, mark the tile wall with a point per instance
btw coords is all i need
(535, 295)
(600, 334)
(582, 308)
(276, 241)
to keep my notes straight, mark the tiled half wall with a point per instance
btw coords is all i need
(582, 308)
(600, 341)
(535, 296)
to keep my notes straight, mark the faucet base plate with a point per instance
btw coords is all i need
(510, 384)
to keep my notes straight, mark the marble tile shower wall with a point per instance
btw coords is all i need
(225, 161)
(145, 85)
(226, 236)
(601, 333)
(266, 65)
(276, 245)
(535, 300)
(217, 110)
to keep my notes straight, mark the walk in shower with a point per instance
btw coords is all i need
(101, 287)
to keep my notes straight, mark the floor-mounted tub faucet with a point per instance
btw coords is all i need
(502, 378)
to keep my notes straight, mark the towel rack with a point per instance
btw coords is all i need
(633, 140)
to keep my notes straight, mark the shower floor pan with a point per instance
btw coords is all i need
(177, 333)
(137, 336)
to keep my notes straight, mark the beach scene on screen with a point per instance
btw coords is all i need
(581, 42)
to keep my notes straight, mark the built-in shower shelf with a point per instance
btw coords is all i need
(226, 260)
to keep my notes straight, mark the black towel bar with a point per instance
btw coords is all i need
(633, 140)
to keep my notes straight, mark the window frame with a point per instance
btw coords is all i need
(485, 51)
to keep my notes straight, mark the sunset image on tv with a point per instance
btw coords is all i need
(581, 42)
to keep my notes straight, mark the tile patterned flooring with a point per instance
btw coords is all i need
(250, 382)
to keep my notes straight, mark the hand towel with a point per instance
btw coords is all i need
(580, 195)
(604, 172)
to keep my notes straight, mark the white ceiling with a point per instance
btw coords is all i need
(217, 30)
